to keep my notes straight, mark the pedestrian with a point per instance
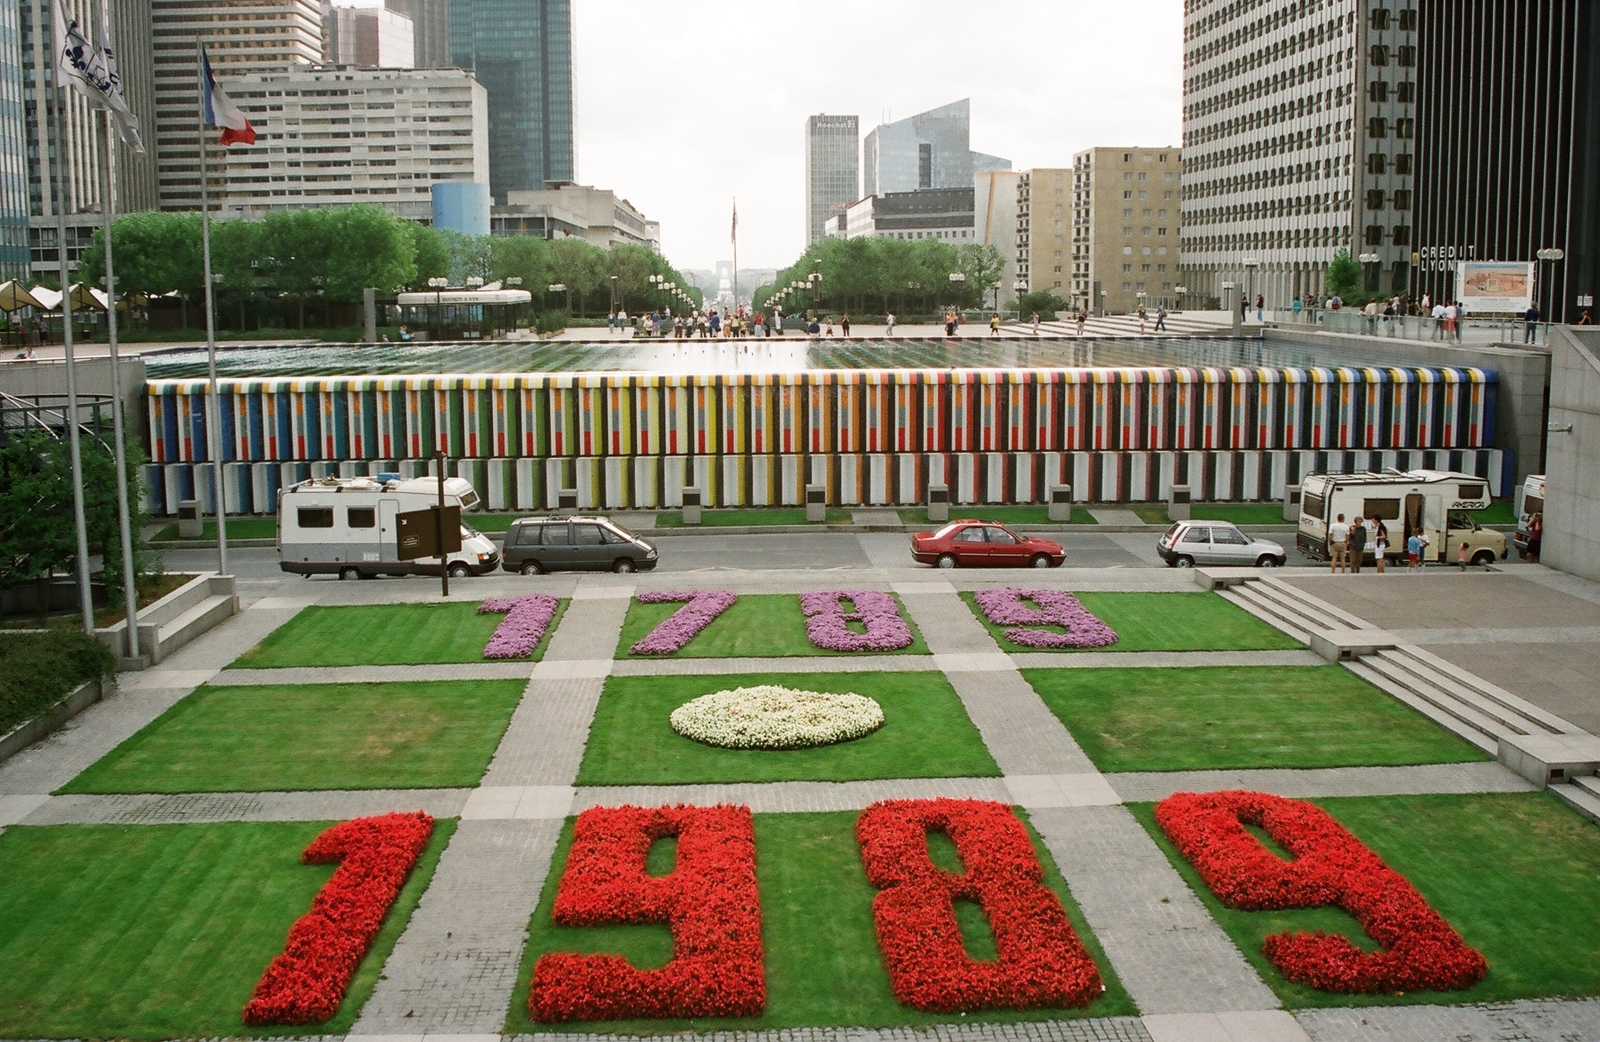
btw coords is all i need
(1297, 308)
(777, 320)
(1380, 546)
(1083, 316)
(1413, 551)
(844, 326)
(42, 327)
(1141, 320)
(1530, 323)
(1338, 544)
(949, 323)
(1584, 319)
(1358, 544)
(1261, 302)
(1035, 323)
(1535, 536)
(715, 324)
(1450, 314)
(1438, 320)
(889, 330)
(1388, 318)
(611, 324)
(1244, 307)
(1161, 318)
(994, 324)
(1461, 317)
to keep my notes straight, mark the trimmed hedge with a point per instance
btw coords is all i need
(37, 670)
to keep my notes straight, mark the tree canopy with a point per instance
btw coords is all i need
(879, 274)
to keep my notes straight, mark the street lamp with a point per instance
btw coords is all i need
(613, 296)
(438, 286)
(1250, 266)
(957, 281)
(1369, 271)
(1102, 303)
(1181, 290)
(1549, 256)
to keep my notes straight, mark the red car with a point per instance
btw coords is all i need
(984, 544)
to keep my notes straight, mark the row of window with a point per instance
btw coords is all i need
(1268, 209)
(1261, 149)
(1246, 93)
(1278, 177)
(1290, 239)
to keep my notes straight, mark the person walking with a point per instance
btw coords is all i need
(1530, 323)
(1083, 316)
(844, 326)
(1380, 546)
(1298, 308)
(949, 323)
(1161, 318)
(1535, 536)
(1338, 544)
(1462, 553)
(1035, 323)
(1141, 320)
(1437, 311)
(994, 324)
(1358, 544)
(1261, 304)
(889, 330)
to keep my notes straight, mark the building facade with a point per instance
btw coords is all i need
(994, 221)
(569, 210)
(338, 135)
(1125, 211)
(244, 38)
(13, 150)
(833, 170)
(521, 51)
(928, 213)
(430, 29)
(77, 143)
(929, 150)
(372, 37)
(1299, 140)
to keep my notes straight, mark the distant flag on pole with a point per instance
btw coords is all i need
(220, 111)
(734, 234)
(92, 72)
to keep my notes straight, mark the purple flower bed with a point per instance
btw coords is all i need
(686, 622)
(826, 621)
(1007, 608)
(520, 632)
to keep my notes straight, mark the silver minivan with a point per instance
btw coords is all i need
(1188, 543)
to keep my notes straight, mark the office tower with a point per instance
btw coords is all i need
(76, 143)
(929, 150)
(521, 51)
(1122, 213)
(833, 170)
(430, 26)
(243, 37)
(370, 37)
(995, 222)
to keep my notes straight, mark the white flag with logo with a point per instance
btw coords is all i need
(92, 72)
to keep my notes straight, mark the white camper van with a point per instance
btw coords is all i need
(346, 527)
(1436, 502)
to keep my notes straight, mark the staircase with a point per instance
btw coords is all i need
(176, 619)
(1289, 608)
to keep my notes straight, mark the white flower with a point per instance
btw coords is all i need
(772, 717)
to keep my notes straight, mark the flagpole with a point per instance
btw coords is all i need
(213, 403)
(74, 450)
(130, 584)
(736, 253)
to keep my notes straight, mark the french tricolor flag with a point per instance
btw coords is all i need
(219, 110)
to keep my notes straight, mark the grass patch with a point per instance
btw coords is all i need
(1198, 621)
(763, 625)
(491, 522)
(751, 518)
(37, 670)
(926, 734)
(823, 965)
(1500, 512)
(238, 528)
(1512, 872)
(1006, 515)
(1151, 513)
(1240, 716)
(1240, 513)
(162, 931)
(383, 635)
(313, 736)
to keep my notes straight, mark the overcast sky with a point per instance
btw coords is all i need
(683, 105)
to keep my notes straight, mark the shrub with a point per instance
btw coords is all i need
(37, 670)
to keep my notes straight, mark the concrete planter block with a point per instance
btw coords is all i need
(1546, 758)
(1061, 502)
(1178, 503)
(692, 505)
(816, 504)
(939, 503)
(1291, 503)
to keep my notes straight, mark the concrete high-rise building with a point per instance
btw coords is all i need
(927, 213)
(77, 143)
(995, 197)
(13, 150)
(369, 37)
(1122, 209)
(521, 51)
(244, 38)
(569, 210)
(833, 170)
(929, 150)
(430, 27)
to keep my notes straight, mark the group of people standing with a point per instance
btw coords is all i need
(706, 325)
(1347, 544)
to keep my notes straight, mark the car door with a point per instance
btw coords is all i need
(970, 546)
(589, 548)
(555, 551)
(1230, 546)
(1004, 548)
(1196, 544)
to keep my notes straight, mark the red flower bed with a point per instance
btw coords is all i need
(1041, 962)
(1330, 867)
(307, 982)
(710, 900)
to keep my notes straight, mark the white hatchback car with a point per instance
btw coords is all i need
(1188, 543)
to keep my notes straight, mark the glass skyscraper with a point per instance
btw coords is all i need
(833, 170)
(521, 51)
(13, 151)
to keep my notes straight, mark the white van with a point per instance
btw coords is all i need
(1435, 502)
(1531, 502)
(346, 527)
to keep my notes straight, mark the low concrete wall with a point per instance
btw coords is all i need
(1572, 490)
(54, 718)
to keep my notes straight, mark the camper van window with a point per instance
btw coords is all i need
(1532, 505)
(1387, 509)
(469, 500)
(362, 517)
(316, 517)
(1313, 506)
(1469, 491)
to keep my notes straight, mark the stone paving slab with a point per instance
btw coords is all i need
(573, 669)
(47, 765)
(947, 625)
(1501, 635)
(519, 803)
(1034, 791)
(543, 744)
(161, 678)
(17, 807)
(211, 807)
(1257, 1026)
(1115, 516)
(1161, 659)
(651, 667)
(454, 970)
(1095, 1029)
(797, 797)
(1170, 954)
(1148, 787)
(374, 674)
(590, 626)
(1530, 1020)
(1022, 735)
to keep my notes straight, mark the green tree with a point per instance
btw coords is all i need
(156, 253)
(235, 262)
(364, 246)
(1042, 301)
(1344, 278)
(292, 242)
(523, 257)
(982, 264)
(432, 251)
(578, 265)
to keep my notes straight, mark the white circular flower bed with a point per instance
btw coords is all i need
(772, 717)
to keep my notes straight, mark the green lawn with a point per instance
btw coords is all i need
(1500, 512)
(1198, 621)
(823, 965)
(1513, 873)
(926, 734)
(1240, 513)
(238, 528)
(1151, 513)
(162, 931)
(383, 635)
(491, 522)
(1023, 515)
(1207, 717)
(764, 625)
(725, 517)
(314, 736)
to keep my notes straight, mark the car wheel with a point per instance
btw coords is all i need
(531, 568)
(1185, 562)
(459, 571)
(1267, 561)
(1041, 561)
(622, 566)
(349, 573)
(947, 560)
(1483, 557)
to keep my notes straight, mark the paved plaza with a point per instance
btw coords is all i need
(453, 974)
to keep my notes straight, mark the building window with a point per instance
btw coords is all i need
(1127, 195)
(1378, 90)
(1379, 56)
(1374, 235)
(924, 165)
(1126, 286)
(1127, 268)
(1402, 164)
(1402, 235)
(1377, 163)
(1375, 199)
(1405, 128)
(1406, 56)
(1402, 199)
(1377, 127)
(1408, 21)
(1405, 93)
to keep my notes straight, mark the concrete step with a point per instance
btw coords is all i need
(1302, 618)
(1267, 611)
(193, 622)
(1589, 784)
(1583, 799)
(1455, 717)
(1512, 712)
(1524, 709)
(1308, 609)
(1331, 611)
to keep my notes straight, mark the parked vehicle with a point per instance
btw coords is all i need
(984, 544)
(1188, 543)
(1532, 502)
(559, 543)
(1434, 502)
(347, 527)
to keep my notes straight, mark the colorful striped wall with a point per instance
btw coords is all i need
(873, 436)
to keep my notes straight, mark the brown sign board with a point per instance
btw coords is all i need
(418, 532)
